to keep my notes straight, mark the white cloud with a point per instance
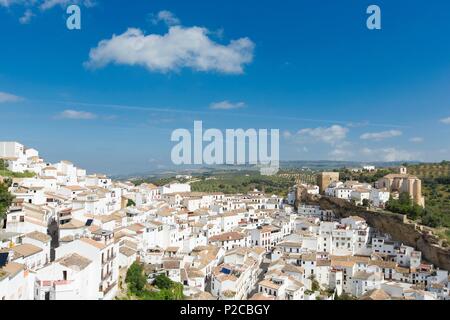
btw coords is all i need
(287, 134)
(7, 97)
(49, 4)
(358, 124)
(226, 105)
(46, 4)
(331, 135)
(381, 135)
(390, 154)
(367, 151)
(416, 139)
(445, 120)
(33, 6)
(76, 115)
(340, 154)
(179, 48)
(26, 18)
(165, 16)
(393, 154)
(9, 3)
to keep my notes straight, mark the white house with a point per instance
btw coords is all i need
(379, 197)
(71, 277)
(230, 240)
(103, 254)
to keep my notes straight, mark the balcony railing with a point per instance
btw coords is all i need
(109, 258)
(106, 275)
(108, 289)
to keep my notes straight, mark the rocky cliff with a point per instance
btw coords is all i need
(394, 224)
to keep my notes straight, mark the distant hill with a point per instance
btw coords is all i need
(430, 170)
(308, 165)
(321, 165)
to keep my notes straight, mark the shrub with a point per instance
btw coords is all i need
(163, 282)
(136, 279)
(6, 199)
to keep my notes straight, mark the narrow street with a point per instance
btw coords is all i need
(263, 270)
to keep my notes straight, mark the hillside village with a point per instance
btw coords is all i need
(73, 235)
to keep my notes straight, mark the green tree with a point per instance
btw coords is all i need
(315, 286)
(131, 203)
(432, 219)
(163, 282)
(344, 296)
(405, 199)
(366, 202)
(6, 199)
(136, 279)
(405, 205)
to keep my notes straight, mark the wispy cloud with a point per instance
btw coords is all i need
(161, 109)
(358, 124)
(8, 97)
(445, 120)
(416, 140)
(46, 4)
(287, 134)
(32, 7)
(181, 47)
(390, 154)
(165, 16)
(226, 105)
(26, 18)
(76, 115)
(9, 3)
(381, 135)
(340, 154)
(329, 135)
(49, 4)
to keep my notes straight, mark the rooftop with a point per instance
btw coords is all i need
(26, 250)
(74, 261)
(39, 236)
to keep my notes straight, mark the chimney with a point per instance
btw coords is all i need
(10, 256)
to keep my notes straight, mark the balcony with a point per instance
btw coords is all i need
(109, 258)
(106, 275)
(108, 289)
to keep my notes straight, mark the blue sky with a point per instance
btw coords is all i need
(312, 69)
